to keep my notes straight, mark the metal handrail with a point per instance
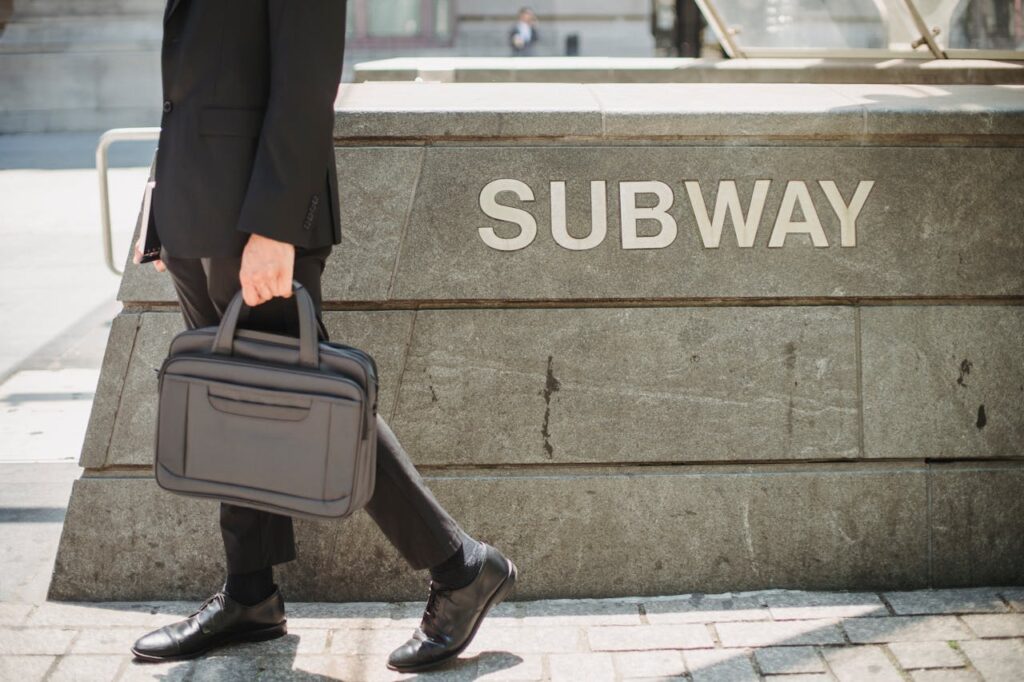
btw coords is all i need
(106, 139)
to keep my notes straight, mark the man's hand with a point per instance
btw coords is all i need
(266, 272)
(137, 257)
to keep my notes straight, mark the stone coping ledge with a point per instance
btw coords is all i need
(687, 70)
(898, 114)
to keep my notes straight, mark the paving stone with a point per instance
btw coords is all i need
(919, 602)
(1015, 597)
(861, 663)
(574, 667)
(998, 660)
(35, 640)
(109, 614)
(944, 676)
(911, 655)
(226, 668)
(719, 665)
(634, 638)
(904, 629)
(13, 614)
(528, 640)
(510, 667)
(804, 605)
(19, 667)
(374, 641)
(996, 625)
(705, 609)
(641, 664)
(302, 667)
(575, 612)
(140, 671)
(802, 677)
(297, 641)
(784, 633)
(789, 659)
(87, 667)
(106, 640)
(330, 616)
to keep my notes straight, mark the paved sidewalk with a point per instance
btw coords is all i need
(971, 634)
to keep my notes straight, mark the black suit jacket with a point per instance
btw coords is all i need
(246, 141)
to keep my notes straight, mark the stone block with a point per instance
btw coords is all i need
(793, 605)
(951, 601)
(720, 665)
(570, 667)
(376, 186)
(961, 244)
(177, 671)
(779, 660)
(943, 381)
(904, 629)
(785, 633)
(78, 668)
(911, 655)
(705, 609)
(641, 664)
(858, 663)
(976, 511)
(996, 625)
(107, 400)
(836, 530)
(936, 675)
(647, 637)
(384, 334)
(426, 110)
(1015, 597)
(573, 612)
(555, 386)
(997, 660)
(35, 641)
(24, 666)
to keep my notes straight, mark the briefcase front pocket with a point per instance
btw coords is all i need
(267, 439)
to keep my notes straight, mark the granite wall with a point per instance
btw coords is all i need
(645, 339)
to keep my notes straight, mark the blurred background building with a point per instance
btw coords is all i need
(95, 64)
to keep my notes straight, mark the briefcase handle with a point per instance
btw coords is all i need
(309, 348)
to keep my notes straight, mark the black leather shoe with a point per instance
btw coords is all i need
(452, 617)
(218, 621)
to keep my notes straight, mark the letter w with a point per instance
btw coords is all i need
(728, 200)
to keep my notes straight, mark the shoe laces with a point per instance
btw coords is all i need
(430, 612)
(209, 600)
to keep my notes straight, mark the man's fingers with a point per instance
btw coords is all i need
(249, 295)
(159, 265)
(284, 284)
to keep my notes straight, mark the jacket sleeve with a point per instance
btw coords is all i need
(307, 45)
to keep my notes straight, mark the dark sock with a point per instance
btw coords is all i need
(460, 568)
(250, 588)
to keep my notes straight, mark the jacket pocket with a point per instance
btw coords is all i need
(235, 121)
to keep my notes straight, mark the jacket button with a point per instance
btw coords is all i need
(168, 106)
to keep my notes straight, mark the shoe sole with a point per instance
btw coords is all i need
(496, 598)
(263, 634)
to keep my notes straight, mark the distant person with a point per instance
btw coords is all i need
(524, 34)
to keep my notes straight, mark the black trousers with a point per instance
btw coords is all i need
(402, 506)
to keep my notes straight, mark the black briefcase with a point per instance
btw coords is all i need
(268, 421)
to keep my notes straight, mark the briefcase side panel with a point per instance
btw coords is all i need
(173, 406)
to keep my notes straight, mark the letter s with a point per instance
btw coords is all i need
(490, 206)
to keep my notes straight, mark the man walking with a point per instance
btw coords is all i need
(246, 198)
